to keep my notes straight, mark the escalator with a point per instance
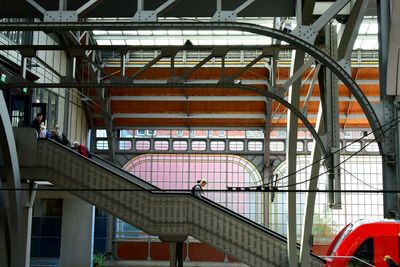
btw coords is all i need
(156, 212)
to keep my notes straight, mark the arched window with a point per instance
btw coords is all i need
(181, 171)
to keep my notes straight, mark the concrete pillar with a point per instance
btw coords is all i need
(77, 232)
(27, 210)
(175, 254)
(175, 249)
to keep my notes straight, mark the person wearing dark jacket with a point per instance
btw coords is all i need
(59, 137)
(197, 189)
(35, 124)
(389, 261)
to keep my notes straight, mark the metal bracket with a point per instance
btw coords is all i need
(145, 16)
(306, 33)
(60, 16)
(223, 15)
(149, 15)
(279, 91)
(346, 64)
(229, 15)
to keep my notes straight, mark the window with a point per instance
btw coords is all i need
(372, 147)
(102, 145)
(353, 147)
(236, 145)
(180, 145)
(199, 145)
(125, 133)
(217, 145)
(101, 133)
(310, 146)
(142, 145)
(255, 146)
(254, 134)
(300, 146)
(161, 145)
(124, 145)
(179, 133)
(365, 252)
(277, 146)
(140, 132)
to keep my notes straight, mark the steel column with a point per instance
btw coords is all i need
(390, 157)
(29, 200)
(305, 243)
(291, 157)
(332, 119)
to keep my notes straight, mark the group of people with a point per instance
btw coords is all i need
(56, 135)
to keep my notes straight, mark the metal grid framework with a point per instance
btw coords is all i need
(358, 173)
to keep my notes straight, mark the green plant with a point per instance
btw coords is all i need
(98, 259)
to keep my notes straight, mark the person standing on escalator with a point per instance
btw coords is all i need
(82, 150)
(35, 124)
(197, 189)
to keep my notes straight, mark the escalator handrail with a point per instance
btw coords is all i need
(119, 170)
(124, 174)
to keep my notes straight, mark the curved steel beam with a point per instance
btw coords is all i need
(256, 29)
(292, 109)
(11, 173)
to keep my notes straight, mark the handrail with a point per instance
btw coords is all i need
(348, 257)
(123, 172)
(109, 167)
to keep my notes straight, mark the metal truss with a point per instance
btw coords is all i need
(319, 55)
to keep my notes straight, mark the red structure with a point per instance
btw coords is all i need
(365, 242)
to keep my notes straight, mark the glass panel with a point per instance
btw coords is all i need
(180, 145)
(277, 146)
(353, 147)
(124, 145)
(101, 133)
(217, 145)
(199, 145)
(300, 146)
(236, 134)
(142, 145)
(255, 146)
(310, 146)
(236, 145)
(364, 252)
(102, 145)
(125, 133)
(372, 147)
(161, 145)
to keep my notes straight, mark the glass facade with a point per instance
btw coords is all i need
(173, 171)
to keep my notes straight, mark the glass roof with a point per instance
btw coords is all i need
(367, 38)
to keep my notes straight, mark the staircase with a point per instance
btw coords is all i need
(167, 215)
